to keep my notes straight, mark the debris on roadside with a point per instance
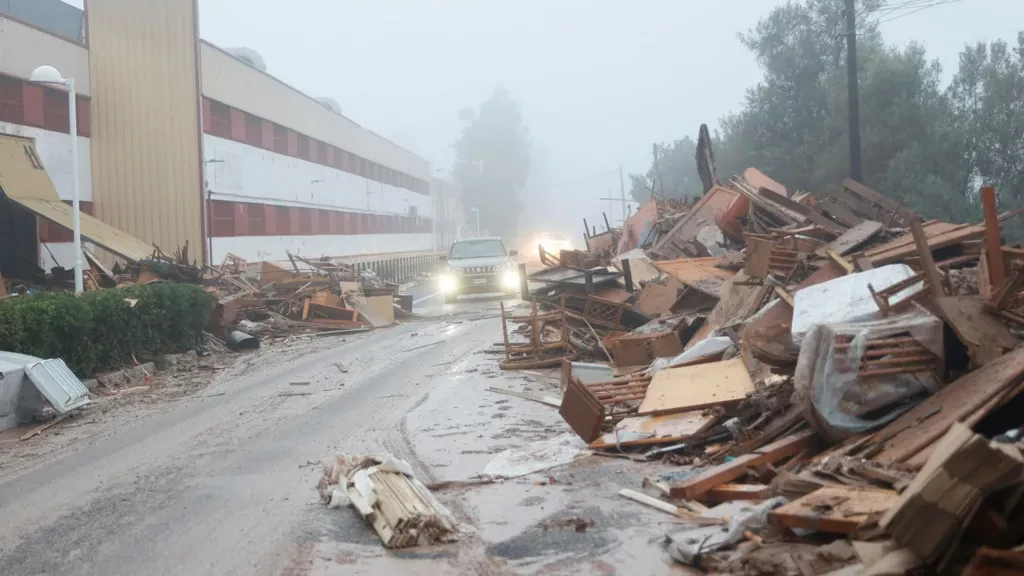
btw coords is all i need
(827, 371)
(28, 384)
(385, 492)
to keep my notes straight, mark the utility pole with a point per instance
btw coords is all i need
(622, 192)
(851, 86)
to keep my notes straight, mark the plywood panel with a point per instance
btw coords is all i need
(839, 509)
(657, 429)
(692, 387)
(146, 119)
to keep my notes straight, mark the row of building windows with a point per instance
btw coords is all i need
(249, 219)
(29, 104)
(230, 123)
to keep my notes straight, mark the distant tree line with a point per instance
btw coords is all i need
(925, 145)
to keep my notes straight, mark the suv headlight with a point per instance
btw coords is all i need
(446, 282)
(510, 278)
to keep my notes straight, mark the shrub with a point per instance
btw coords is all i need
(99, 331)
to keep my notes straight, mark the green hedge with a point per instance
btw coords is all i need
(100, 331)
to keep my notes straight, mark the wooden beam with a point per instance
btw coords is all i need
(931, 272)
(993, 246)
(737, 468)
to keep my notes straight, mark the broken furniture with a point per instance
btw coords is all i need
(548, 344)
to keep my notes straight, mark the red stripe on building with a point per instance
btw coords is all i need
(28, 104)
(223, 121)
(228, 219)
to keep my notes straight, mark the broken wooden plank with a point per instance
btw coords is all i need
(985, 336)
(836, 509)
(928, 421)
(996, 264)
(853, 238)
(648, 430)
(759, 252)
(730, 492)
(924, 251)
(843, 262)
(727, 472)
(40, 429)
(694, 387)
(784, 295)
(669, 508)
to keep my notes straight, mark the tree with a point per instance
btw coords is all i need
(988, 95)
(493, 161)
(673, 173)
(925, 146)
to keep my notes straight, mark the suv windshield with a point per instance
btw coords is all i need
(477, 249)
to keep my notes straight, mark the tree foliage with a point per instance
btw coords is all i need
(493, 161)
(926, 145)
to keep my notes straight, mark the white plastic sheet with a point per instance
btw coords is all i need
(839, 402)
(537, 456)
(710, 346)
(846, 299)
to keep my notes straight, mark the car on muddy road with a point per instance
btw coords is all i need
(478, 266)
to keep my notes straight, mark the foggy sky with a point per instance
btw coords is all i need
(599, 80)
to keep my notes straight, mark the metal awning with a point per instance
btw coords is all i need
(23, 180)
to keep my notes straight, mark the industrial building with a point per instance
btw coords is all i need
(183, 141)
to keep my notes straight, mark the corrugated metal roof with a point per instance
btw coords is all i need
(24, 180)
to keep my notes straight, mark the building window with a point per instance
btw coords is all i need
(283, 220)
(316, 151)
(280, 139)
(323, 221)
(220, 119)
(55, 111)
(257, 220)
(11, 101)
(305, 221)
(303, 146)
(222, 218)
(253, 131)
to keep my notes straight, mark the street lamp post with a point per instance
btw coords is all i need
(50, 75)
(477, 212)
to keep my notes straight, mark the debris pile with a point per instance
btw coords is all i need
(826, 369)
(387, 494)
(314, 296)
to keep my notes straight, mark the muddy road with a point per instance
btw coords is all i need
(221, 479)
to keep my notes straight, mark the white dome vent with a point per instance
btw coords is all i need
(249, 56)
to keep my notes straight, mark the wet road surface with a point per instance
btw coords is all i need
(224, 482)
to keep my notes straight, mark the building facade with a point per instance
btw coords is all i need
(185, 142)
(449, 214)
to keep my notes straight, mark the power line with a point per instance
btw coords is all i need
(911, 7)
(923, 7)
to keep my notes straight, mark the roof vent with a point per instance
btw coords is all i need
(330, 103)
(249, 56)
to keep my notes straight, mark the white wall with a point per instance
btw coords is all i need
(273, 248)
(55, 151)
(235, 83)
(243, 173)
(23, 48)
